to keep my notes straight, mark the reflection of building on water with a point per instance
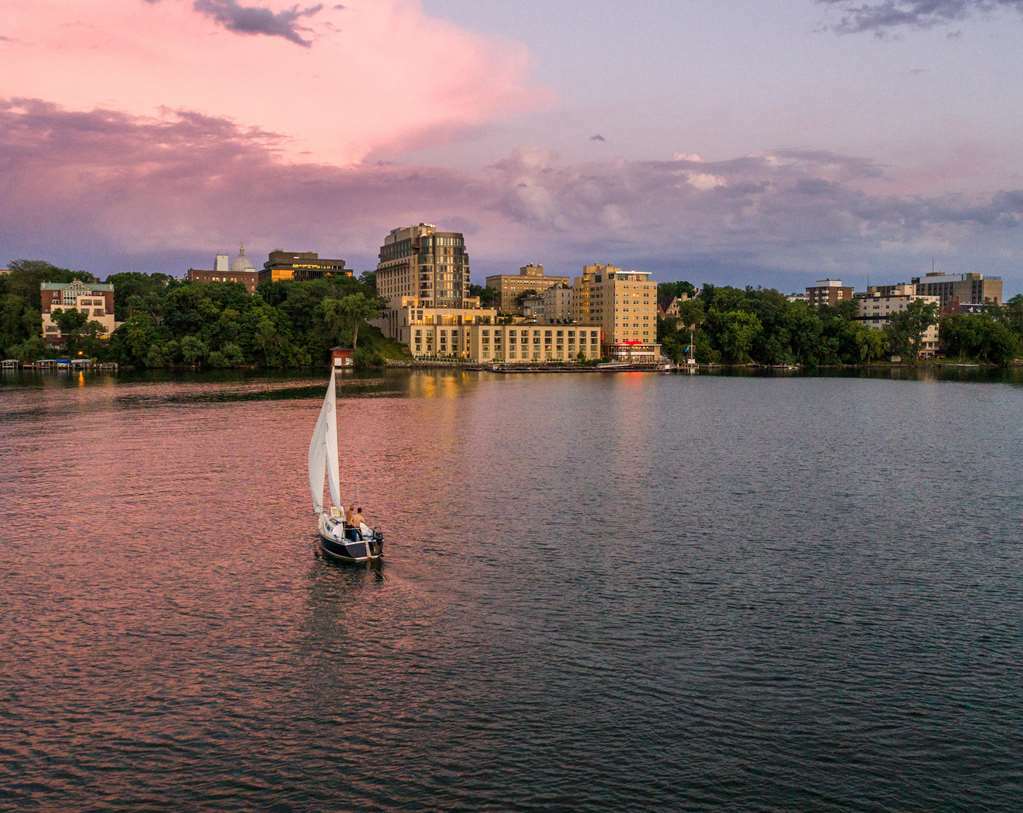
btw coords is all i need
(439, 383)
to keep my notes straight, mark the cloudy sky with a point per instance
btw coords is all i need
(767, 142)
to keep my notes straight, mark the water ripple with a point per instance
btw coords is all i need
(601, 593)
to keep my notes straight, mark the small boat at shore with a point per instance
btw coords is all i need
(338, 540)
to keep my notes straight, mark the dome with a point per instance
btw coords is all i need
(241, 262)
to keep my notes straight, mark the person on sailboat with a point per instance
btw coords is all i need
(358, 520)
(350, 516)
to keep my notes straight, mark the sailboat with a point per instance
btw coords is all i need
(338, 539)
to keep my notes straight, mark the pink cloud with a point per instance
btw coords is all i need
(378, 73)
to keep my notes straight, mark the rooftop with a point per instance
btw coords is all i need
(827, 283)
(63, 286)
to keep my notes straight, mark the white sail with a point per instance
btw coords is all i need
(318, 459)
(323, 459)
(333, 465)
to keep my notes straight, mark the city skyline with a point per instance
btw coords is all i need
(759, 143)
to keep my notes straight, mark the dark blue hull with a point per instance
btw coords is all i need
(351, 551)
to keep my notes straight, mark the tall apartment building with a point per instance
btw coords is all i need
(827, 292)
(876, 308)
(419, 261)
(94, 299)
(511, 286)
(624, 304)
(282, 266)
(963, 291)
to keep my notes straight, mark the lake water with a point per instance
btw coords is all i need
(601, 592)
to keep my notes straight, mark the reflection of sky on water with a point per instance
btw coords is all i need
(578, 567)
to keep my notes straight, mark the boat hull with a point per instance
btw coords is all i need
(343, 544)
(347, 551)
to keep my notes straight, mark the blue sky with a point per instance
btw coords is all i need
(726, 79)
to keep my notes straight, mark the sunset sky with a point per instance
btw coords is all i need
(768, 142)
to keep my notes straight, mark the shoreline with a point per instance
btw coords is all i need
(933, 365)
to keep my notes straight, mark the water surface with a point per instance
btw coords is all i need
(601, 592)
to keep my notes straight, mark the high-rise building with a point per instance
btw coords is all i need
(419, 261)
(282, 266)
(94, 299)
(827, 292)
(624, 304)
(960, 292)
(511, 286)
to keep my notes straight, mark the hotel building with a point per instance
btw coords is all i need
(511, 286)
(828, 292)
(962, 292)
(876, 308)
(534, 344)
(472, 334)
(283, 266)
(94, 299)
(429, 331)
(421, 262)
(624, 304)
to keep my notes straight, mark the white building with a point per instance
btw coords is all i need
(875, 310)
(94, 299)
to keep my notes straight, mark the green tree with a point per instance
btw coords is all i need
(70, 321)
(18, 321)
(369, 280)
(667, 291)
(739, 329)
(869, 342)
(489, 297)
(136, 291)
(905, 329)
(75, 329)
(233, 355)
(691, 313)
(523, 296)
(157, 356)
(26, 276)
(980, 337)
(193, 350)
(344, 316)
(31, 349)
(131, 341)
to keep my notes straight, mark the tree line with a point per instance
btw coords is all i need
(737, 326)
(169, 322)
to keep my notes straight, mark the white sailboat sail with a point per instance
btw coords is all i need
(323, 459)
(333, 465)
